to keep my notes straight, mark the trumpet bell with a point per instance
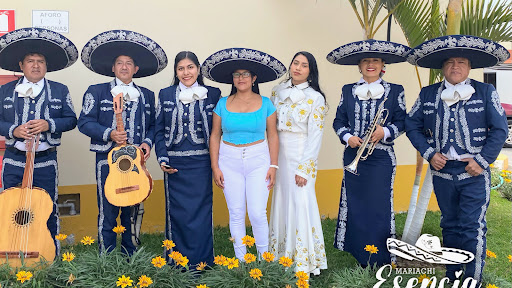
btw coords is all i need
(352, 168)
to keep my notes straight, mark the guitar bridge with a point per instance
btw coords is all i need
(12, 254)
(127, 189)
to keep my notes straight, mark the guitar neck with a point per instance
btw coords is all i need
(28, 173)
(120, 123)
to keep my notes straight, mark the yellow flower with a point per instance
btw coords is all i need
(491, 165)
(201, 266)
(285, 261)
(168, 244)
(310, 101)
(269, 257)
(288, 123)
(491, 286)
(183, 261)
(175, 255)
(371, 248)
(23, 276)
(507, 180)
(202, 286)
(423, 277)
(219, 259)
(509, 258)
(490, 254)
(68, 256)
(232, 263)
(503, 175)
(119, 229)
(301, 275)
(393, 264)
(144, 281)
(249, 258)
(61, 237)
(71, 279)
(302, 112)
(87, 240)
(255, 273)
(302, 283)
(293, 105)
(124, 281)
(248, 241)
(158, 262)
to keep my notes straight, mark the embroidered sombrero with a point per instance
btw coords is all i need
(100, 52)
(220, 65)
(58, 50)
(352, 53)
(481, 52)
(428, 249)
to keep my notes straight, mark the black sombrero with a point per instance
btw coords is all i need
(481, 52)
(58, 50)
(352, 53)
(219, 66)
(100, 52)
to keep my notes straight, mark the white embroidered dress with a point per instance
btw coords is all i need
(295, 227)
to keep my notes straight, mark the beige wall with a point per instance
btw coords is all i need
(279, 27)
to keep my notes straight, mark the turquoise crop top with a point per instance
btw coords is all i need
(243, 128)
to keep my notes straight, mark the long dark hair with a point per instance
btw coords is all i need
(313, 71)
(187, 55)
(255, 87)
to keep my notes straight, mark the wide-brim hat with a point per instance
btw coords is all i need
(58, 50)
(220, 65)
(100, 52)
(428, 250)
(353, 53)
(481, 52)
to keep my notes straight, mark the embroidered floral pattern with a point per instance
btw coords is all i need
(367, 46)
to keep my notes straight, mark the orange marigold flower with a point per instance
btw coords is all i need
(119, 229)
(183, 261)
(249, 258)
(68, 257)
(87, 240)
(509, 258)
(490, 254)
(285, 261)
(168, 244)
(231, 263)
(371, 248)
(491, 286)
(201, 266)
(124, 281)
(302, 283)
(158, 262)
(248, 241)
(302, 275)
(422, 277)
(61, 237)
(219, 259)
(144, 281)
(269, 257)
(23, 276)
(175, 254)
(202, 286)
(256, 273)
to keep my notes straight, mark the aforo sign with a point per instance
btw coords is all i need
(7, 23)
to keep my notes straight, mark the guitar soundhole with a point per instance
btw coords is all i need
(23, 217)
(125, 165)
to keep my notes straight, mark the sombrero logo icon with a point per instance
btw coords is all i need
(428, 249)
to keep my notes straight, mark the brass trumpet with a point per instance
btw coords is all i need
(379, 119)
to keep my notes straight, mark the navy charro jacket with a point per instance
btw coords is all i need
(169, 126)
(53, 104)
(97, 118)
(476, 126)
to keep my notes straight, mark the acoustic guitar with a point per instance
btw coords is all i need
(24, 211)
(128, 181)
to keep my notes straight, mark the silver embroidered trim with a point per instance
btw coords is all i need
(9, 106)
(467, 136)
(101, 216)
(401, 100)
(480, 237)
(429, 104)
(476, 130)
(463, 176)
(427, 153)
(106, 133)
(481, 161)
(341, 130)
(495, 98)
(162, 159)
(415, 107)
(179, 105)
(188, 153)
(88, 103)
(158, 109)
(480, 138)
(475, 110)
(56, 107)
(342, 218)
(442, 175)
(427, 112)
(367, 46)
(477, 101)
(104, 109)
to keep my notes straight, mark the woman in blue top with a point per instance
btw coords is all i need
(244, 164)
(183, 124)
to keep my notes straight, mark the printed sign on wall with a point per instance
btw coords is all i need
(54, 20)
(7, 23)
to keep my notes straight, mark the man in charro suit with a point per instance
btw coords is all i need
(459, 127)
(124, 59)
(34, 105)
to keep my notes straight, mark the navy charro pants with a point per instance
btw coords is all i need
(45, 177)
(463, 201)
(107, 216)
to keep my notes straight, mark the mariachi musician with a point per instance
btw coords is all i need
(35, 105)
(123, 55)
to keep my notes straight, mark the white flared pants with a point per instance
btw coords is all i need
(245, 170)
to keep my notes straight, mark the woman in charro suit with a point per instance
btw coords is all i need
(366, 206)
(183, 125)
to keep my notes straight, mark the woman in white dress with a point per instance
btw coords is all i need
(295, 226)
